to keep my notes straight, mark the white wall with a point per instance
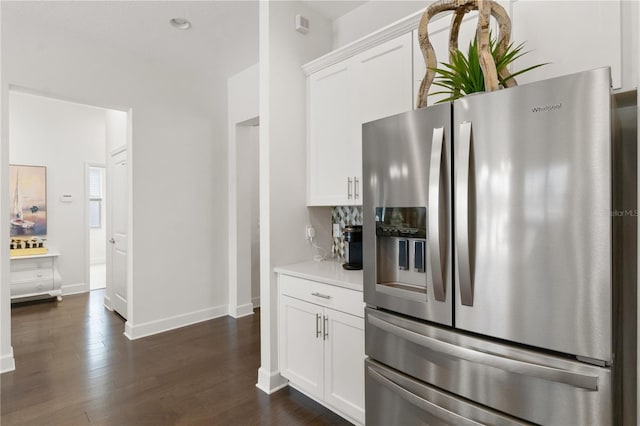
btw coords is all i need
(177, 156)
(371, 17)
(283, 214)
(61, 136)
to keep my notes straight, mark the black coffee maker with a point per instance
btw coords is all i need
(353, 247)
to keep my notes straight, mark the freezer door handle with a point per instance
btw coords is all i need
(510, 365)
(462, 216)
(448, 417)
(434, 240)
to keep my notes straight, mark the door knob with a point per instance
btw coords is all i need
(112, 241)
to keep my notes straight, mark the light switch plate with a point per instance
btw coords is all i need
(336, 230)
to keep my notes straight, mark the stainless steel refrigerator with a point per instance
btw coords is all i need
(499, 246)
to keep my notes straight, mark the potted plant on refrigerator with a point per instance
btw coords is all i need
(486, 66)
(464, 75)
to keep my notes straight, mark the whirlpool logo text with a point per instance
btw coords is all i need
(547, 108)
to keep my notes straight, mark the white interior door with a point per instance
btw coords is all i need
(119, 237)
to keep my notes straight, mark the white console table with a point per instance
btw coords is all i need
(35, 275)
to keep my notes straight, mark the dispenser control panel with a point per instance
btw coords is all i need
(401, 247)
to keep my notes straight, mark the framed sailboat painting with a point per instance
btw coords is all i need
(28, 200)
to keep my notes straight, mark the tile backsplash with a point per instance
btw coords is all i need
(344, 216)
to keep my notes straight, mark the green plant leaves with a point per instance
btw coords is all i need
(464, 75)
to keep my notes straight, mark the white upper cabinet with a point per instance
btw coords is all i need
(370, 85)
(384, 80)
(573, 36)
(331, 133)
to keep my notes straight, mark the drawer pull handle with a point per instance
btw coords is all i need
(324, 296)
(318, 332)
(326, 328)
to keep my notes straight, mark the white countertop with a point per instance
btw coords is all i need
(327, 271)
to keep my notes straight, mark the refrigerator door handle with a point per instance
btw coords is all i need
(462, 216)
(510, 365)
(435, 248)
(449, 417)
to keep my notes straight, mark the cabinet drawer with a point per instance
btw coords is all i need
(338, 298)
(21, 265)
(31, 287)
(18, 277)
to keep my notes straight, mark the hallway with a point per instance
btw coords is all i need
(74, 366)
(98, 276)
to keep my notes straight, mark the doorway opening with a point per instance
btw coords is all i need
(245, 207)
(76, 142)
(97, 206)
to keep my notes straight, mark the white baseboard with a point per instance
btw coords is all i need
(256, 302)
(74, 289)
(241, 311)
(137, 331)
(270, 382)
(7, 362)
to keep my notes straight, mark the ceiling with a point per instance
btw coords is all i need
(222, 41)
(223, 37)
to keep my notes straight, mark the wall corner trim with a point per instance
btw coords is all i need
(270, 382)
(7, 362)
(241, 310)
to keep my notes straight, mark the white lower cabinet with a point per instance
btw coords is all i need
(301, 345)
(321, 348)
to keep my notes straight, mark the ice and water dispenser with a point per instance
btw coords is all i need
(401, 243)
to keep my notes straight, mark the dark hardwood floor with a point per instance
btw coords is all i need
(75, 367)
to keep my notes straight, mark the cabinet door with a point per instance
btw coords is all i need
(331, 145)
(344, 363)
(300, 344)
(383, 78)
(573, 36)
